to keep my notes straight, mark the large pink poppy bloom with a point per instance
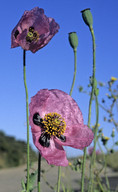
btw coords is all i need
(57, 121)
(34, 30)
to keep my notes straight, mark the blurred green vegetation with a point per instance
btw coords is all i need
(111, 160)
(13, 152)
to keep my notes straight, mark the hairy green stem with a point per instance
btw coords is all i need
(59, 179)
(100, 185)
(83, 170)
(92, 165)
(93, 158)
(106, 178)
(75, 70)
(105, 166)
(27, 115)
(90, 106)
(71, 90)
(85, 149)
(96, 130)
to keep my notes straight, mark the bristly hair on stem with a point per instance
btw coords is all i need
(27, 115)
(87, 17)
(73, 40)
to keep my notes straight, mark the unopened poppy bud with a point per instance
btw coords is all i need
(113, 133)
(73, 39)
(87, 17)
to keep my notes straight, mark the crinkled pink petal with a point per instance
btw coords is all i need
(79, 137)
(45, 26)
(48, 101)
(77, 134)
(54, 154)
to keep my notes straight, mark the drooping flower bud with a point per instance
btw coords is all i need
(87, 17)
(73, 39)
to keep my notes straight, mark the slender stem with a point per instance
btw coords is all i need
(105, 166)
(90, 106)
(96, 130)
(93, 158)
(83, 170)
(106, 178)
(71, 90)
(47, 183)
(100, 185)
(59, 179)
(27, 116)
(85, 149)
(75, 70)
(97, 116)
(39, 171)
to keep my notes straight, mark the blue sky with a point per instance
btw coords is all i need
(52, 66)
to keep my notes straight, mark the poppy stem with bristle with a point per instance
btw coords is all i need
(75, 70)
(87, 17)
(27, 115)
(59, 179)
(70, 93)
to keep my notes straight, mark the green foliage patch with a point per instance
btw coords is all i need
(13, 152)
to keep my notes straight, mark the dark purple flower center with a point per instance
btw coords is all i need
(52, 125)
(16, 34)
(32, 35)
(31, 29)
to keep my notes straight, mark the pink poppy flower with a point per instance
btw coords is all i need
(34, 30)
(57, 121)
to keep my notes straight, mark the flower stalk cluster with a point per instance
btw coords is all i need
(55, 117)
(88, 19)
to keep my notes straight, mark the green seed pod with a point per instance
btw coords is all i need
(87, 17)
(73, 39)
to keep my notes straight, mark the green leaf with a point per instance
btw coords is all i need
(32, 179)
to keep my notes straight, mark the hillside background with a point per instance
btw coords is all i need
(13, 152)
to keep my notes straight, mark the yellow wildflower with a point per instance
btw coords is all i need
(114, 79)
(69, 163)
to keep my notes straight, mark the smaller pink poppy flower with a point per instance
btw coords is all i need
(34, 30)
(57, 121)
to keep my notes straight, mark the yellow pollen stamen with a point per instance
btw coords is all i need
(54, 124)
(32, 36)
